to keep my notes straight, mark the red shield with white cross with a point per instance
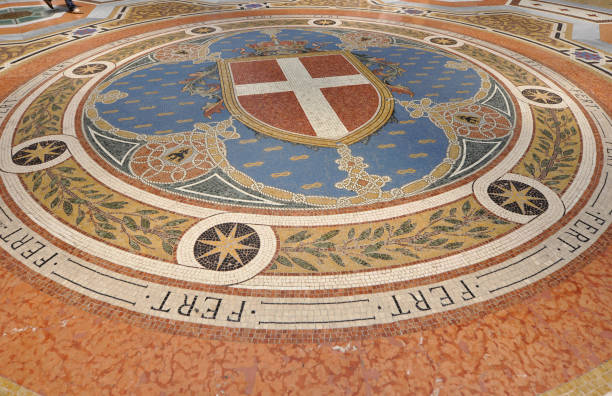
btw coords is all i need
(321, 98)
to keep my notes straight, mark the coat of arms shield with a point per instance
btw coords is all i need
(318, 98)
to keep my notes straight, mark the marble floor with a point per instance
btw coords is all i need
(370, 197)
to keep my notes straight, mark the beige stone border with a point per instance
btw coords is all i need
(597, 382)
(10, 388)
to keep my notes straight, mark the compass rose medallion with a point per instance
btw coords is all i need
(226, 247)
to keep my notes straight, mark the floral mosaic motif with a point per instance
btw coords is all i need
(44, 115)
(463, 119)
(226, 247)
(457, 65)
(478, 122)
(39, 153)
(553, 157)
(517, 197)
(398, 242)
(541, 96)
(111, 96)
(179, 53)
(358, 40)
(73, 196)
(359, 180)
(90, 69)
(179, 158)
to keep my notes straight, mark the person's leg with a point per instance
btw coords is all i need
(72, 7)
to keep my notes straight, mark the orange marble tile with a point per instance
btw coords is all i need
(529, 347)
(605, 32)
(53, 347)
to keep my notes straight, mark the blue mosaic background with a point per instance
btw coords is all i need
(158, 89)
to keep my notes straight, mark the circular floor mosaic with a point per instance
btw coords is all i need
(314, 179)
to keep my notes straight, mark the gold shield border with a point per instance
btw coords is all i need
(385, 108)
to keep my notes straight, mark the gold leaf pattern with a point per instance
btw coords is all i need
(153, 11)
(401, 241)
(513, 72)
(8, 53)
(73, 196)
(44, 116)
(554, 154)
(533, 28)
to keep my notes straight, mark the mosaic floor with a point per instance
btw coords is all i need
(306, 197)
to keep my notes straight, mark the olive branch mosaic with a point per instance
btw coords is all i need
(400, 241)
(554, 154)
(511, 71)
(530, 27)
(44, 116)
(102, 213)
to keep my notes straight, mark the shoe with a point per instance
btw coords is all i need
(48, 3)
(75, 10)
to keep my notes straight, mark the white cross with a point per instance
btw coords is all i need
(322, 117)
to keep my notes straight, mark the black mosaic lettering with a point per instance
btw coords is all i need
(578, 235)
(236, 316)
(599, 220)
(29, 253)
(466, 292)
(20, 242)
(400, 309)
(44, 260)
(420, 303)
(5, 238)
(211, 313)
(445, 299)
(163, 303)
(187, 305)
(586, 226)
(572, 248)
